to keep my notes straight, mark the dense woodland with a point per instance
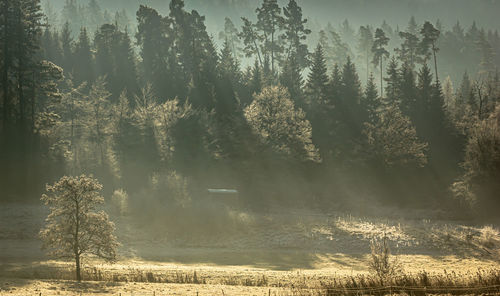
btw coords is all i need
(165, 110)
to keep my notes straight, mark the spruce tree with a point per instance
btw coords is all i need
(317, 80)
(291, 78)
(392, 83)
(83, 67)
(370, 102)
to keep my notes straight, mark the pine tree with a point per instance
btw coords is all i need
(409, 50)
(365, 43)
(270, 22)
(295, 34)
(379, 52)
(251, 38)
(430, 36)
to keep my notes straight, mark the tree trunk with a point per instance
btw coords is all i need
(78, 273)
(435, 62)
(381, 78)
(258, 52)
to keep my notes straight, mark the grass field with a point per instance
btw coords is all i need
(296, 253)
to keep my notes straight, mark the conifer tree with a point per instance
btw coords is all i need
(83, 67)
(409, 50)
(291, 78)
(256, 82)
(370, 101)
(392, 83)
(430, 36)
(365, 43)
(67, 48)
(230, 35)
(295, 34)
(379, 52)
(251, 40)
(269, 22)
(317, 80)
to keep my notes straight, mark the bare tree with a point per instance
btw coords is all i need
(75, 227)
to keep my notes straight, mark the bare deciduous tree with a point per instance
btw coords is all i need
(75, 227)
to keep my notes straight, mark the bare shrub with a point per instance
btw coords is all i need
(119, 200)
(382, 263)
(488, 237)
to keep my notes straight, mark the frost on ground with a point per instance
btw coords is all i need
(264, 250)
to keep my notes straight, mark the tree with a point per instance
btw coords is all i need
(285, 129)
(230, 35)
(155, 38)
(370, 101)
(269, 22)
(71, 14)
(67, 48)
(379, 51)
(408, 53)
(83, 67)
(412, 26)
(95, 17)
(349, 107)
(393, 140)
(256, 79)
(479, 183)
(250, 39)
(75, 228)
(295, 34)
(486, 64)
(365, 43)
(430, 36)
(392, 83)
(291, 78)
(317, 80)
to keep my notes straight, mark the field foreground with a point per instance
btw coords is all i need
(304, 254)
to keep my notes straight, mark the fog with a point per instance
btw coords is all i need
(271, 135)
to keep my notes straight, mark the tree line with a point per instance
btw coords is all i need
(133, 109)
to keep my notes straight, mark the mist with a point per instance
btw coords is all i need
(254, 147)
